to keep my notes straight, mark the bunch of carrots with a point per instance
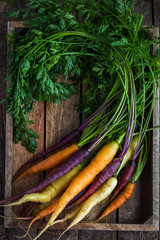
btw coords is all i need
(86, 163)
(84, 173)
(87, 184)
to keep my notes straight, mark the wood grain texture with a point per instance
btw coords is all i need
(21, 155)
(91, 226)
(156, 8)
(3, 67)
(16, 154)
(61, 119)
(138, 236)
(144, 7)
(155, 153)
(5, 233)
(54, 235)
(97, 235)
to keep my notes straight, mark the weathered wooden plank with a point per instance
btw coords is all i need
(16, 154)
(156, 8)
(139, 236)
(92, 226)
(10, 234)
(4, 233)
(3, 57)
(146, 7)
(155, 151)
(54, 235)
(60, 120)
(97, 235)
(21, 155)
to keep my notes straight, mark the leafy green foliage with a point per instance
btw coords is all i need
(80, 40)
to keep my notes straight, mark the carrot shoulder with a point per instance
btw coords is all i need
(50, 162)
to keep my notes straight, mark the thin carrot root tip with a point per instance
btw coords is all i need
(97, 220)
(23, 230)
(7, 205)
(42, 231)
(64, 232)
(8, 217)
(17, 218)
(27, 230)
(21, 236)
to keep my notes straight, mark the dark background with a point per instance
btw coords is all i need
(151, 17)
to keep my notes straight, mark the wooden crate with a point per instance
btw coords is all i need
(140, 213)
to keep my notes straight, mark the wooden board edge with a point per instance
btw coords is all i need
(8, 166)
(89, 226)
(155, 152)
(8, 151)
(8, 144)
(15, 24)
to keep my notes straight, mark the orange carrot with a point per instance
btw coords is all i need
(86, 176)
(119, 200)
(52, 161)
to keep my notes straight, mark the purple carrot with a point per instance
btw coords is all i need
(20, 218)
(111, 168)
(126, 177)
(66, 167)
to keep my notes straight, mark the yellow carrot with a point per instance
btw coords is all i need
(103, 192)
(130, 151)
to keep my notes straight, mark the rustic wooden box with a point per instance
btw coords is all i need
(52, 122)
